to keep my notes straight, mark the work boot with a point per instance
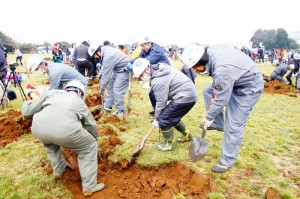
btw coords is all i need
(97, 187)
(186, 135)
(169, 144)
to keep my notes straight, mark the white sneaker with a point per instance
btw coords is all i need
(105, 108)
(97, 187)
(118, 113)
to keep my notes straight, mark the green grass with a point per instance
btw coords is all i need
(268, 157)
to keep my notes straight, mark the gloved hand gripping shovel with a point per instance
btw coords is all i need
(199, 146)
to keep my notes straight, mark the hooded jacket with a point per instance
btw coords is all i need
(169, 83)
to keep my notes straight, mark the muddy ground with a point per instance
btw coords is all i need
(277, 87)
(120, 181)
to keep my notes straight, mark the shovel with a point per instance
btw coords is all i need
(137, 150)
(128, 109)
(199, 146)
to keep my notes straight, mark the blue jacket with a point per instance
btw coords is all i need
(3, 69)
(154, 55)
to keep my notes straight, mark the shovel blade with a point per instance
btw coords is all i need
(198, 148)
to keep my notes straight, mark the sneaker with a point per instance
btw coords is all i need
(97, 187)
(118, 113)
(152, 113)
(212, 127)
(220, 168)
(105, 108)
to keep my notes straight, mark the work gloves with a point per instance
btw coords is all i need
(294, 74)
(155, 123)
(208, 122)
(129, 66)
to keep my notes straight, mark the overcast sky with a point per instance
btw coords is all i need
(165, 22)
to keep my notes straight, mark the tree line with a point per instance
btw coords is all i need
(273, 39)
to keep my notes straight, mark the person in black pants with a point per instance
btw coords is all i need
(82, 57)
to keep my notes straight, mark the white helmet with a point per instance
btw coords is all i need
(192, 54)
(292, 66)
(33, 62)
(144, 40)
(139, 65)
(296, 56)
(75, 85)
(92, 49)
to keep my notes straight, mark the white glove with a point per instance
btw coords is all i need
(155, 123)
(294, 74)
(208, 122)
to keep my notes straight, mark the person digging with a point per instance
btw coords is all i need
(237, 85)
(175, 94)
(62, 119)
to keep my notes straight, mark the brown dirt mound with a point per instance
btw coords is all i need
(93, 99)
(280, 88)
(12, 126)
(272, 194)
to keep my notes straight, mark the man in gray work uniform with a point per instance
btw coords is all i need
(114, 74)
(237, 85)
(61, 118)
(59, 74)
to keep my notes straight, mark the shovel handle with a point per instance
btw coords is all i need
(147, 135)
(204, 130)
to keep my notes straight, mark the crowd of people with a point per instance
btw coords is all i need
(237, 85)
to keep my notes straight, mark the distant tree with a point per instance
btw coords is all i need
(27, 47)
(282, 38)
(65, 43)
(273, 39)
(8, 42)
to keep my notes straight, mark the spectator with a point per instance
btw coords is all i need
(19, 56)
(57, 53)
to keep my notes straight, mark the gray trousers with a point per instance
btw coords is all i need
(109, 99)
(82, 143)
(277, 77)
(237, 113)
(117, 90)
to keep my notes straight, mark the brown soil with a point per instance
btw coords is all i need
(120, 180)
(12, 126)
(93, 99)
(272, 194)
(279, 88)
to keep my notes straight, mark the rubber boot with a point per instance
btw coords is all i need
(169, 141)
(186, 135)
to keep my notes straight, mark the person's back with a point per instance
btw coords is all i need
(60, 74)
(59, 114)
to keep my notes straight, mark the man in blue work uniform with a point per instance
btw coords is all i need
(155, 54)
(237, 85)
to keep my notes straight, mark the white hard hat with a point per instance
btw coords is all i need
(74, 85)
(297, 56)
(144, 40)
(33, 62)
(192, 54)
(139, 65)
(292, 66)
(92, 49)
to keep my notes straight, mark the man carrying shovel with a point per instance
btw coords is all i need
(237, 85)
(175, 94)
(62, 119)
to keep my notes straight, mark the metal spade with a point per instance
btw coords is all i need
(199, 146)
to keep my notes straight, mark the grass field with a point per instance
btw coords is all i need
(269, 155)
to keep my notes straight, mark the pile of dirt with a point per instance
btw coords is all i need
(279, 88)
(272, 194)
(12, 126)
(93, 99)
(138, 181)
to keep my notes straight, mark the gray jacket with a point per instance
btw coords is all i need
(60, 74)
(281, 69)
(169, 83)
(60, 111)
(232, 72)
(112, 60)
